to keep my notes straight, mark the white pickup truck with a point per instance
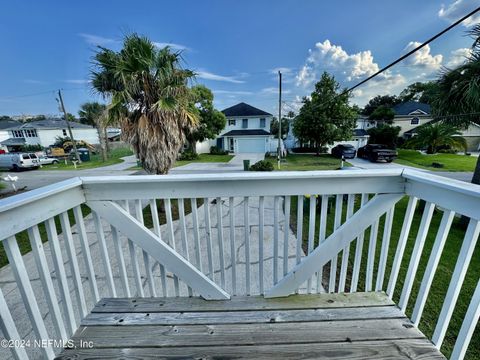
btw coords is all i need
(19, 161)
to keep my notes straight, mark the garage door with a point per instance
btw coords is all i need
(251, 145)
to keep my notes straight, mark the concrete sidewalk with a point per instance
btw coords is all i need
(234, 165)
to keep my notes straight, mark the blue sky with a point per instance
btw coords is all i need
(234, 46)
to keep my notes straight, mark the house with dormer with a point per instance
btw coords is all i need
(247, 130)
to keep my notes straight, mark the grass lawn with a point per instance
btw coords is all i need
(307, 162)
(114, 157)
(451, 162)
(207, 158)
(442, 275)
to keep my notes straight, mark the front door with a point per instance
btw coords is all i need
(231, 144)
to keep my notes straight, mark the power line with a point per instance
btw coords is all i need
(38, 93)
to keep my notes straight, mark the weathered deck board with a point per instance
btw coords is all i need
(416, 349)
(184, 304)
(319, 326)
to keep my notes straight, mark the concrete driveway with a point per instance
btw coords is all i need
(234, 165)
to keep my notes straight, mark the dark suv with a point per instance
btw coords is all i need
(346, 151)
(377, 152)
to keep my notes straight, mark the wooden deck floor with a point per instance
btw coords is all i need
(326, 326)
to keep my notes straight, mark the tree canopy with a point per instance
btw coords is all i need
(382, 113)
(326, 116)
(433, 136)
(274, 127)
(419, 91)
(388, 101)
(384, 134)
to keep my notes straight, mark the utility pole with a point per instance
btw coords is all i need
(279, 150)
(75, 151)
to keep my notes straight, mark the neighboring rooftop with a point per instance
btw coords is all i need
(360, 132)
(49, 124)
(243, 109)
(411, 108)
(5, 124)
(247, 132)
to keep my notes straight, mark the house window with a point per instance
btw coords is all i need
(414, 121)
(17, 133)
(231, 122)
(31, 133)
(262, 122)
(64, 132)
(244, 123)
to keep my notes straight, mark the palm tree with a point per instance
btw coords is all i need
(434, 136)
(150, 99)
(93, 113)
(458, 93)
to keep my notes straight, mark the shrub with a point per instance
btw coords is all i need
(29, 147)
(262, 165)
(437, 165)
(188, 156)
(215, 150)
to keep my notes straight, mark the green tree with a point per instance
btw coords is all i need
(384, 134)
(211, 120)
(380, 100)
(274, 127)
(433, 136)
(457, 98)
(418, 91)
(383, 113)
(93, 113)
(326, 116)
(150, 99)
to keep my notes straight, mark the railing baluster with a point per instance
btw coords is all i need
(466, 252)
(336, 225)
(171, 238)
(156, 229)
(247, 244)
(47, 283)
(233, 255)
(358, 252)
(196, 233)
(146, 258)
(416, 254)
(402, 242)
(23, 282)
(275, 239)
(346, 249)
(82, 233)
(311, 233)
(432, 265)
(183, 233)
(286, 233)
(299, 228)
(104, 253)
(221, 252)
(387, 231)
(208, 234)
(322, 233)
(261, 229)
(72, 257)
(122, 270)
(372, 244)
(468, 326)
(60, 273)
(9, 330)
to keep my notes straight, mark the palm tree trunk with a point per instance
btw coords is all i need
(106, 141)
(102, 139)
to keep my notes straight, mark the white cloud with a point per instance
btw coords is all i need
(97, 40)
(459, 8)
(215, 77)
(283, 70)
(458, 57)
(171, 45)
(422, 57)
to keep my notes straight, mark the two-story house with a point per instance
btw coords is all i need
(247, 130)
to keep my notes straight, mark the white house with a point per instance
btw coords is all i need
(4, 134)
(247, 130)
(45, 132)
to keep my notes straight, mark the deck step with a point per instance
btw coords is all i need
(320, 326)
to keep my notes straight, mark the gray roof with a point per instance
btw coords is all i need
(246, 132)
(50, 124)
(5, 124)
(243, 109)
(408, 107)
(360, 132)
(13, 141)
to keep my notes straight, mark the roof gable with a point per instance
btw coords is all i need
(412, 108)
(243, 109)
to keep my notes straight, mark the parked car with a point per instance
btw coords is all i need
(346, 151)
(377, 152)
(46, 160)
(19, 161)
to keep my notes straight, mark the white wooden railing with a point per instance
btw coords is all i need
(348, 247)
